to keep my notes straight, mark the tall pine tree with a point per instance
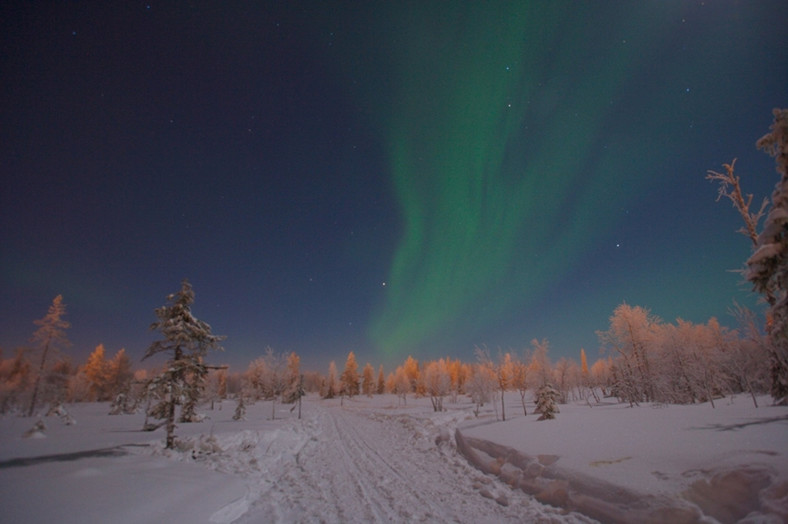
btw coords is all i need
(186, 341)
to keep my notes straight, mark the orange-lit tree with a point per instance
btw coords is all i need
(350, 380)
(49, 337)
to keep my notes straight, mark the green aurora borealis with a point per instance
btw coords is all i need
(392, 178)
(494, 152)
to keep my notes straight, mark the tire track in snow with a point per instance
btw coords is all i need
(368, 467)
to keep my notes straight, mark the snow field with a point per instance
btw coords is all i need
(377, 460)
(363, 461)
(653, 463)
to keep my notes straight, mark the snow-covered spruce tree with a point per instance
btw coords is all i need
(49, 337)
(186, 341)
(546, 402)
(767, 267)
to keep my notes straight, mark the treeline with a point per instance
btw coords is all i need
(683, 363)
(643, 360)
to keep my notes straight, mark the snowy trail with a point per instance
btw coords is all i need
(357, 466)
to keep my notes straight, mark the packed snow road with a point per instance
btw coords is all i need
(352, 464)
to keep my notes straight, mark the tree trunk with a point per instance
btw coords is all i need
(170, 443)
(38, 380)
(522, 399)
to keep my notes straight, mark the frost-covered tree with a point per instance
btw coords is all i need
(399, 384)
(499, 369)
(15, 380)
(350, 379)
(216, 389)
(540, 366)
(368, 380)
(743, 361)
(586, 379)
(119, 378)
(520, 378)
(254, 380)
(49, 338)
(546, 405)
(275, 378)
(292, 379)
(767, 267)
(97, 373)
(481, 385)
(331, 381)
(411, 369)
(240, 409)
(563, 378)
(186, 341)
(120, 373)
(688, 360)
(630, 338)
(381, 386)
(600, 375)
(458, 371)
(437, 382)
(503, 371)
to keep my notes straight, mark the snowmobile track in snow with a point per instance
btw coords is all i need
(356, 466)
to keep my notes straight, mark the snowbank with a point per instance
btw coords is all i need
(645, 464)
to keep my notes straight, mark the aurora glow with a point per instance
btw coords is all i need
(496, 160)
(390, 178)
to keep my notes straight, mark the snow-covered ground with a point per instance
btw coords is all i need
(374, 460)
(649, 463)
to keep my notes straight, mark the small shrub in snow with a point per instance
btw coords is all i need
(240, 409)
(205, 446)
(546, 397)
(122, 404)
(60, 411)
(37, 431)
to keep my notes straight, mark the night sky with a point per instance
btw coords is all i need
(389, 178)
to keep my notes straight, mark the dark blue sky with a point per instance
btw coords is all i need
(393, 180)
